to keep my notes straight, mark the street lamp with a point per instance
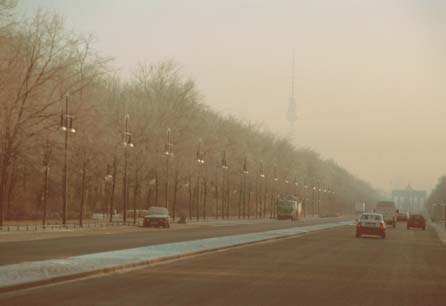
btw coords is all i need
(200, 160)
(273, 190)
(200, 154)
(296, 183)
(319, 201)
(66, 125)
(224, 167)
(258, 205)
(127, 144)
(305, 198)
(287, 184)
(244, 173)
(168, 152)
(261, 172)
(313, 204)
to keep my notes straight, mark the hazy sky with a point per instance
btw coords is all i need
(370, 74)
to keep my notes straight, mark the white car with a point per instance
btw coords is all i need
(371, 224)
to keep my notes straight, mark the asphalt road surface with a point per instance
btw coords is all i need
(327, 268)
(33, 250)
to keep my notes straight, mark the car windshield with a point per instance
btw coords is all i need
(371, 217)
(287, 204)
(158, 211)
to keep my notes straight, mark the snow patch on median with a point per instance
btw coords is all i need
(40, 271)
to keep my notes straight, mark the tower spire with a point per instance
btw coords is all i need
(292, 76)
(292, 108)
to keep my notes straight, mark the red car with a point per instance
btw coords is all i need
(416, 221)
(371, 224)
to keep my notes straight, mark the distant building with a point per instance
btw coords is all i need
(409, 199)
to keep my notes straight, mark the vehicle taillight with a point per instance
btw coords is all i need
(358, 225)
(381, 225)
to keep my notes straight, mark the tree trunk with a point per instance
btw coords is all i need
(10, 190)
(156, 188)
(149, 197)
(4, 177)
(216, 194)
(190, 197)
(205, 193)
(81, 211)
(135, 195)
(175, 191)
(45, 196)
(271, 204)
(249, 203)
(223, 196)
(265, 197)
(240, 198)
(197, 198)
(228, 198)
(257, 214)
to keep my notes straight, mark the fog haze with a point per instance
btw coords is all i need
(369, 79)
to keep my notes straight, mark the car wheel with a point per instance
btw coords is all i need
(424, 228)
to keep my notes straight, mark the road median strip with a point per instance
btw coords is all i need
(37, 273)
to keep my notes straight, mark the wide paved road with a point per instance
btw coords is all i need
(324, 268)
(33, 250)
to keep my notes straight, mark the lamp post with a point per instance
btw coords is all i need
(330, 200)
(324, 197)
(305, 199)
(262, 177)
(313, 200)
(200, 160)
(287, 184)
(224, 167)
(66, 125)
(168, 152)
(127, 144)
(244, 173)
(296, 185)
(273, 191)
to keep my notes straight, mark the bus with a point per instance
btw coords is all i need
(288, 209)
(388, 210)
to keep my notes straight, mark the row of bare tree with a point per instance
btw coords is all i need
(207, 164)
(436, 202)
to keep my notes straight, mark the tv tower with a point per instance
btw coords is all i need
(291, 114)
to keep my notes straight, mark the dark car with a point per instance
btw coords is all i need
(157, 217)
(416, 221)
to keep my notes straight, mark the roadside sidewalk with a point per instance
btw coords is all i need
(60, 232)
(440, 229)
